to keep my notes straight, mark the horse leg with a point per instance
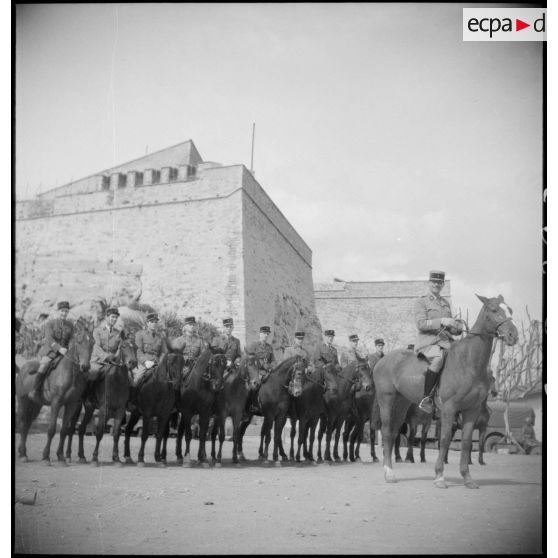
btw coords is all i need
(164, 443)
(144, 436)
(397, 445)
(27, 412)
(346, 434)
(321, 430)
(244, 422)
(373, 444)
(392, 412)
(71, 431)
(162, 428)
(54, 410)
(99, 431)
(265, 434)
(132, 421)
(293, 434)
(410, 458)
(329, 434)
(119, 417)
(338, 427)
(300, 442)
(204, 423)
(187, 439)
(277, 444)
(222, 424)
(482, 438)
(469, 418)
(423, 440)
(356, 437)
(180, 429)
(448, 415)
(311, 436)
(87, 414)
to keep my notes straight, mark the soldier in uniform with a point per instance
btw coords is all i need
(107, 340)
(263, 350)
(353, 354)
(378, 354)
(151, 345)
(228, 345)
(57, 336)
(435, 329)
(190, 344)
(325, 352)
(297, 349)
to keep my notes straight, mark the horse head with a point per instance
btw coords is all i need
(81, 346)
(495, 318)
(297, 376)
(174, 363)
(330, 379)
(214, 373)
(250, 372)
(127, 354)
(363, 376)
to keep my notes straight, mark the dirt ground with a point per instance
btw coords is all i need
(325, 509)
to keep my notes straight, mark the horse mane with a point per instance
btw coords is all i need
(286, 365)
(203, 361)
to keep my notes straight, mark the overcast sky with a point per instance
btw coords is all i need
(392, 146)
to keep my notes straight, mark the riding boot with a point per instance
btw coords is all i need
(430, 381)
(35, 393)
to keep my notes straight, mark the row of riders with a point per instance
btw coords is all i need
(215, 379)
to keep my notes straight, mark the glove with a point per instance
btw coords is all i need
(229, 362)
(62, 350)
(149, 364)
(448, 322)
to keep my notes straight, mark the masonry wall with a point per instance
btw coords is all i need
(371, 309)
(278, 272)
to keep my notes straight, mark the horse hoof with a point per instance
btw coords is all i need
(217, 464)
(241, 457)
(375, 460)
(440, 483)
(82, 460)
(118, 463)
(471, 484)
(23, 459)
(266, 462)
(141, 464)
(180, 461)
(130, 461)
(278, 464)
(319, 460)
(313, 463)
(205, 465)
(398, 460)
(46, 462)
(358, 460)
(409, 460)
(238, 466)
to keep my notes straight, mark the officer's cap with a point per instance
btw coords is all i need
(190, 320)
(265, 329)
(300, 334)
(152, 317)
(329, 333)
(411, 346)
(437, 276)
(228, 322)
(114, 311)
(379, 341)
(353, 337)
(63, 304)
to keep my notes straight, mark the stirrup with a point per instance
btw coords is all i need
(426, 405)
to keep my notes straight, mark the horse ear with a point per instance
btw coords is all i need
(500, 298)
(483, 299)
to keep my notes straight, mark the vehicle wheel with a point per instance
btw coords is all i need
(491, 442)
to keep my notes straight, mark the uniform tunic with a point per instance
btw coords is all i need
(263, 351)
(296, 350)
(150, 345)
(325, 354)
(107, 341)
(228, 345)
(58, 334)
(352, 355)
(191, 346)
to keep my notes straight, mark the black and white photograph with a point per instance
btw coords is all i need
(279, 278)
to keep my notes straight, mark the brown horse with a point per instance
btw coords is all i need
(231, 402)
(399, 380)
(197, 397)
(110, 397)
(415, 417)
(62, 387)
(309, 407)
(338, 407)
(156, 399)
(359, 414)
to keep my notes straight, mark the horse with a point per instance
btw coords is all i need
(156, 398)
(274, 397)
(197, 397)
(359, 414)
(111, 394)
(309, 406)
(338, 407)
(62, 387)
(463, 386)
(231, 402)
(414, 418)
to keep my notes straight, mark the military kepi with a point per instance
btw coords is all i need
(353, 337)
(379, 341)
(329, 333)
(300, 334)
(114, 311)
(228, 322)
(152, 317)
(63, 304)
(190, 320)
(265, 329)
(437, 276)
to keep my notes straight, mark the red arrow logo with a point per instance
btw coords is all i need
(519, 25)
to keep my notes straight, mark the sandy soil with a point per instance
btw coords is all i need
(326, 509)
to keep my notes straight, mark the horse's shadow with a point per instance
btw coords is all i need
(454, 482)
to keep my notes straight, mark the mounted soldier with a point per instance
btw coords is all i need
(436, 326)
(228, 345)
(189, 344)
(325, 352)
(58, 333)
(297, 349)
(352, 354)
(151, 346)
(263, 350)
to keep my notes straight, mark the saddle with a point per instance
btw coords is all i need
(50, 367)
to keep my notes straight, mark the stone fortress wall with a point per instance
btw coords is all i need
(195, 237)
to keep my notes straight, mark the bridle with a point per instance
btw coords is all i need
(208, 375)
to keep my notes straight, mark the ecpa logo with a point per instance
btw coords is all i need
(504, 24)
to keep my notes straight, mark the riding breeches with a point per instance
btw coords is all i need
(435, 355)
(44, 362)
